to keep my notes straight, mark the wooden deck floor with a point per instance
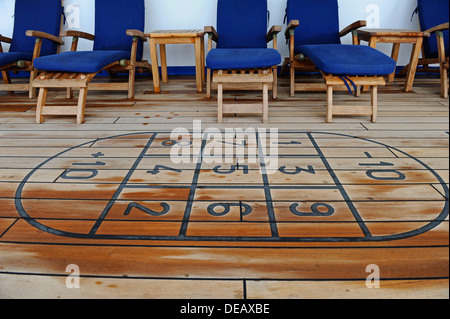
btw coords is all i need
(106, 197)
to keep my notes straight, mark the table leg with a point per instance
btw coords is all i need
(198, 64)
(394, 55)
(415, 54)
(162, 51)
(355, 39)
(372, 44)
(155, 69)
(203, 58)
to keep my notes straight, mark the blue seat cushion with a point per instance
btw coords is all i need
(340, 59)
(229, 59)
(79, 62)
(11, 57)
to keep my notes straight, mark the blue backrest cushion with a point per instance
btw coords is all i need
(38, 15)
(112, 19)
(242, 24)
(319, 21)
(433, 13)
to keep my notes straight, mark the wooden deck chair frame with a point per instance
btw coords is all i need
(82, 81)
(433, 20)
(442, 60)
(298, 62)
(27, 66)
(131, 66)
(243, 79)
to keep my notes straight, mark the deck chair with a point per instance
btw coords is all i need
(118, 47)
(434, 19)
(37, 27)
(316, 45)
(319, 24)
(242, 59)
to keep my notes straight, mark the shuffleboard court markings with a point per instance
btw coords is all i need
(154, 199)
(122, 185)
(342, 190)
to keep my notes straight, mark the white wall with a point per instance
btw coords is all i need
(195, 14)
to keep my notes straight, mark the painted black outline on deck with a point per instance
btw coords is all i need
(368, 237)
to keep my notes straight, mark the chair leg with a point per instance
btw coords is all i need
(285, 65)
(374, 101)
(442, 64)
(32, 91)
(6, 77)
(403, 71)
(444, 83)
(131, 82)
(329, 104)
(81, 105)
(275, 83)
(265, 102)
(42, 98)
(208, 83)
(292, 81)
(69, 93)
(220, 103)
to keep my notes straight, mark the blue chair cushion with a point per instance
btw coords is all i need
(11, 57)
(319, 21)
(42, 15)
(79, 62)
(112, 19)
(340, 59)
(242, 24)
(229, 59)
(432, 14)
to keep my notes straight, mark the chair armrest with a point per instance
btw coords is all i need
(212, 33)
(44, 35)
(290, 28)
(75, 36)
(355, 25)
(78, 34)
(137, 33)
(5, 39)
(441, 27)
(273, 32)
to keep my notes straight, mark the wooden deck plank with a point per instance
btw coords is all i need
(58, 209)
(21, 233)
(228, 263)
(391, 289)
(54, 287)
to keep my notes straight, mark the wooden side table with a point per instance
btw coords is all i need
(163, 37)
(395, 36)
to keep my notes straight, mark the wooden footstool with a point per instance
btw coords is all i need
(263, 76)
(350, 65)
